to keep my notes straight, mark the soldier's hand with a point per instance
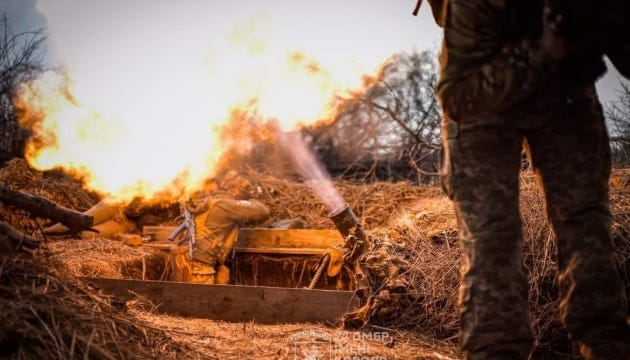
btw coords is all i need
(552, 38)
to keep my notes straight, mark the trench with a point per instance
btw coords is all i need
(261, 257)
(272, 270)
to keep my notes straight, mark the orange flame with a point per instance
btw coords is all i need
(137, 110)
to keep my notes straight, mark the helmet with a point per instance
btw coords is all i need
(235, 184)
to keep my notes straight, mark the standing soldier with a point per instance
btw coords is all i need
(504, 84)
(218, 214)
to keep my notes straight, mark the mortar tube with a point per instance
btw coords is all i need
(347, 223)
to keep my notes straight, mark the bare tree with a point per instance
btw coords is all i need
(618, 115)
(391, 130)
(20, 60)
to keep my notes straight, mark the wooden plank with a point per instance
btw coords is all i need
(237, 303)
(249, 238)
(252, 250)
(279, 250)
(297, 238)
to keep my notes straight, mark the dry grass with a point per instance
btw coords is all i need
(211, 339)
(54, 185)
(46, 312)
(418, 229)
(101, 257)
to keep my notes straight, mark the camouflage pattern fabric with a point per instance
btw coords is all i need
(498, 93)
(217, 221)
(482, 70)
(202, 273)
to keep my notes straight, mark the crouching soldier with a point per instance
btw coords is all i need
(218, 212)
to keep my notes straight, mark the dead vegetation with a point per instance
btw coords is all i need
(48, 313)
(111, 258)
(414, 257)
(413, 263)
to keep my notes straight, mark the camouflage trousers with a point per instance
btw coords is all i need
(480, 172)
(203, 273)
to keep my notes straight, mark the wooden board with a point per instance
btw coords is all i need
(267, 241)
(294, 238)
(237, 303)
(253, 250)
(279, 250)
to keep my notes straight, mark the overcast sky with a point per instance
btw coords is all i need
(378, 26)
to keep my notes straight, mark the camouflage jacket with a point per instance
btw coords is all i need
(216, 222)
(492, 60)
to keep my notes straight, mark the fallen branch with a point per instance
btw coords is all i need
(41, 207)
(17, 239)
